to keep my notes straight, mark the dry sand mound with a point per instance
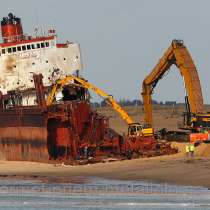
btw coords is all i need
(202, 150)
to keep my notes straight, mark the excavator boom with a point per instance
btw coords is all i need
(178, 55)
(60, 83)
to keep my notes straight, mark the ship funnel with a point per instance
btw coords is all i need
(11, 29)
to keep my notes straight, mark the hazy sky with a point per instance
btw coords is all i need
(122, 40)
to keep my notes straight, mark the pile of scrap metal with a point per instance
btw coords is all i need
(147, 147)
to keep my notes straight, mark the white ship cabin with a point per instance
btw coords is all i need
(21, 56)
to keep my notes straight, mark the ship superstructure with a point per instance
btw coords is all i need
(22, 55)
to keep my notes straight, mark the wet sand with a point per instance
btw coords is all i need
(174, 169)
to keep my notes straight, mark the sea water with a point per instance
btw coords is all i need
(100, 194)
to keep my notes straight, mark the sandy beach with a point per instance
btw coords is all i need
(175, 169)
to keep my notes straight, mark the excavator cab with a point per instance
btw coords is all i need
(195, 122)
(136, 129)
(201, 121)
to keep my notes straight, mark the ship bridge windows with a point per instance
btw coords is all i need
(9, 50)
(14, 49)
(23, 47)
(42, 45)
(26, 47)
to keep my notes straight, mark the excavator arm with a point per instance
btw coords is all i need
(178, 55)
(109, 99)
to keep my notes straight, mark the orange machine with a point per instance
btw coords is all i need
(199, 137)
(177, 54)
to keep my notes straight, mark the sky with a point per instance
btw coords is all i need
(122, 40)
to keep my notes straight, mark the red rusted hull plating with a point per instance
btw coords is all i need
(61, 132)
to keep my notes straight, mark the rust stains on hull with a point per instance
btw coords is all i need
(59, 132)
(23, 143)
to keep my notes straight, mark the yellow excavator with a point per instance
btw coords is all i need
(195, 117)
(134, 129)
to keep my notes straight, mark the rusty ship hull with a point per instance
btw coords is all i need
(58, 133)
(23, 134)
